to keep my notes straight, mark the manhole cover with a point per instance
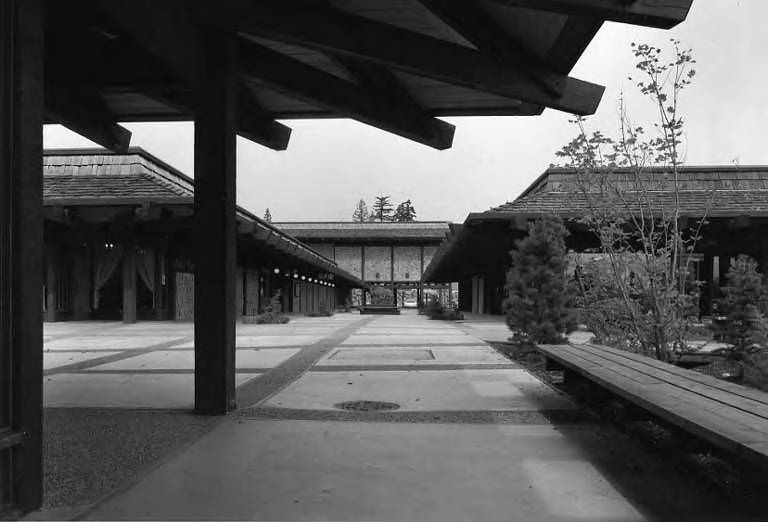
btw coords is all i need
(367, 406)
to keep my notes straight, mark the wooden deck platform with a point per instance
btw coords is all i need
(727, 415)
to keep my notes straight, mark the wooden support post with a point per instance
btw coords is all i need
(50, 285)
(129, 283)
(420, 291)
(216, 228)
(160, 297)
(21, 244)
(171, 278)
(81, 279)
(392, 273)
(709, 284)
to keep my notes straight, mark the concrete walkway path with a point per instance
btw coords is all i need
(473, 437)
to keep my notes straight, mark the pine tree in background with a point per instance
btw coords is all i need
(268, 216)
(360, 215)
(405, 213)
(539, 306)
(382, 209)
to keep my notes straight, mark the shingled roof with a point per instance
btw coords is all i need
(715, 191)
(84, 177)
(340, 230)
(96, 177)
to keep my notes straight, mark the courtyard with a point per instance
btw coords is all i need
(472, 434)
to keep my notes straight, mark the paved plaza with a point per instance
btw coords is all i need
(475, 437)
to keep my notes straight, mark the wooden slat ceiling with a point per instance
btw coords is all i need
(396, 64)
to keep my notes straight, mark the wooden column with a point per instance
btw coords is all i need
(215, 226)
(50, 284)
(129, 283)
(81, 282)
(392, 273)
(420, 291)
(171, 278)
(159, 296)
(21, 238)
(708, 289)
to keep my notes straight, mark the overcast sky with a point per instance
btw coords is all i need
(331, 164)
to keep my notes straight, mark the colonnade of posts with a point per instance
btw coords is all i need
(21, 237)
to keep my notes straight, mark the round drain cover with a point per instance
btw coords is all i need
(367, 406)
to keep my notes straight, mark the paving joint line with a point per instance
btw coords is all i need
(157, 371)
(261, 388)
(125, 354)
(412, 367)
(430, 345)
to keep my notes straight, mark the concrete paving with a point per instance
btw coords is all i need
(470, 438)
(151, 364)
(473, 436)
(299, 470)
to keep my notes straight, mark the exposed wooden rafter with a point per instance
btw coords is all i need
(85, 113)
(177, 50)
(339, 33)
(304, 82)
(477, 27)
(652, 13)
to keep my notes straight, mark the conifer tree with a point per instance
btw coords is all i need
(382, 209)
(360, 215)
(268, 216)
(745, 300)
(539, 306)
(405, 213)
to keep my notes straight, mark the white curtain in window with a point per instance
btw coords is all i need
(145, 266)
(107, 260)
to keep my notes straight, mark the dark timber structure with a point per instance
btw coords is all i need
(391, 254)
(119, 244)
(234, 66)
(733, 199)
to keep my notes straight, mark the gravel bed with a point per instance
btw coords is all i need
(90, 452)
(421, 417)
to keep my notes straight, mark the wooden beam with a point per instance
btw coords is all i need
(21, 244)
(86, 114)
(482, 31)
(339, 33)
(652, 13)
(573, 39)
(252, 122)
(299, 80)
(166, 30)
(255, 125)
(168, 34)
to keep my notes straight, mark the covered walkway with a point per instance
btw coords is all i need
(474, 437)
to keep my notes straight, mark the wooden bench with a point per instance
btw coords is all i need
(380, 309)
(727, 415)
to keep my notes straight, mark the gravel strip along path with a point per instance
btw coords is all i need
(423, 417)
(257, 390)
(90, 452)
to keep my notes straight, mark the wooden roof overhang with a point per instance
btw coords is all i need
(347, 233)
(396, 65)
(81, 201)
(482, 243)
